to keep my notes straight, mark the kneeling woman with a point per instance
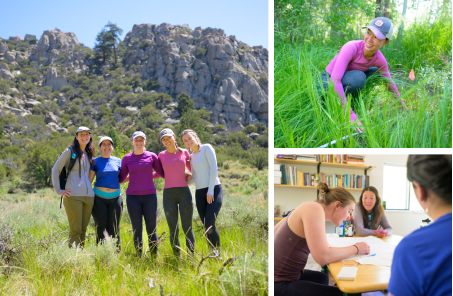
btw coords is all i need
(303, 232)
(108, 204)
(369, 214)
(358, 60)
(209, 193)
(78, 193)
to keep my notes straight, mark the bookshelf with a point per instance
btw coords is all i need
(282, 195)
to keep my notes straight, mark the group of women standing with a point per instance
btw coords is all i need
(177, 166)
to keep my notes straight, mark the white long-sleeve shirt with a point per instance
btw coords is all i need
(204, 168)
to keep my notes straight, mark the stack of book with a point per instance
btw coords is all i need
(356, 159)
(305, 157)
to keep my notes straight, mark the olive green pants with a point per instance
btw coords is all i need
(78, 209)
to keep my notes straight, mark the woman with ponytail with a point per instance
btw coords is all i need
(177, 196)
(78, 194)
(422, 260)
(303, 232)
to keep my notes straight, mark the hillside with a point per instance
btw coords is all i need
(157, 76)
(224, 75)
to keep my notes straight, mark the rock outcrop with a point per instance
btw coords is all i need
(52, 79)
(5, 72)
(55, 42)
(218, 72)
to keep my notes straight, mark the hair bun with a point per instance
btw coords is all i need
(323, 187)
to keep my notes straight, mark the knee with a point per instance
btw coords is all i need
(355, 80)
(210, 228)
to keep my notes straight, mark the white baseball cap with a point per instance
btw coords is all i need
(105, 138)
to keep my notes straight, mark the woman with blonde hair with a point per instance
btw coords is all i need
(303, 232)
(209, 193)
(369, 214)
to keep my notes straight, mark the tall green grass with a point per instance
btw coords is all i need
(43, 264)
(306, 117)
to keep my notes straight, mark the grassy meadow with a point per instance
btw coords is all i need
(306, 116)
(35, 259)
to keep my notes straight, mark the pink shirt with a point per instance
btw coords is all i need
(350, 58)
(174, 165)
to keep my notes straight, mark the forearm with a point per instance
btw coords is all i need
(337, 254)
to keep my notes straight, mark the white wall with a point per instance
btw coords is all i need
(403, 222)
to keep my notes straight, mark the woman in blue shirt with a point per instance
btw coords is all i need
(209, 193)
(108, 205)
(422, 260)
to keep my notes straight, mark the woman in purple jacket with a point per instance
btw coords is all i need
(141, 199)
(358, 60)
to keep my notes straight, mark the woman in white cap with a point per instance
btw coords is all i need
(209, 193)
(108, 204)
(78, 193)
(358, 60)
(141, 196)
(177, 196)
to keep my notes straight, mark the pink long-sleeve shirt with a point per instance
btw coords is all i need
(174, 165)
(350, 58)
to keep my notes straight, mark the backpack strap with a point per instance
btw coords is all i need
(72, 161)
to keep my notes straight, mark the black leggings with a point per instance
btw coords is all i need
(174, 198)
(209, 212)
(107, 215)
(310, 283)
(144, 206)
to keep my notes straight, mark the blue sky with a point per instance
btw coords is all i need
(246, 19)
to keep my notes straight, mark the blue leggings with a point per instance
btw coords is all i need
(144, 206)
(209, 212)
(352, 81)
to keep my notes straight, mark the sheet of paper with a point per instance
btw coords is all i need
(384, 252)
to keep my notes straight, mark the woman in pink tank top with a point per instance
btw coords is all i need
(358, 60)
(303, 232)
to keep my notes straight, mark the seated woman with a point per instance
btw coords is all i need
(303, 232)
(369, 214)
(422, 260)
(358, 60)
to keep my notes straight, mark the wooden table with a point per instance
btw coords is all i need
(369, 277)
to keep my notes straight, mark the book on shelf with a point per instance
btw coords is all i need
(287, 156)
(345, 181)
(277, 174)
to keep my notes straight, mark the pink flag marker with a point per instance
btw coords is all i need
(412, 75)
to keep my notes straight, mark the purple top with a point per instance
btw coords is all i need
(140, 170)
(290, 254)
(350, 58)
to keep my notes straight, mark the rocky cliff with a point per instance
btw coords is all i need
(219, 72)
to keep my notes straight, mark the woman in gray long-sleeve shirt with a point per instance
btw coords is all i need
(78, 194)
(369, 214)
